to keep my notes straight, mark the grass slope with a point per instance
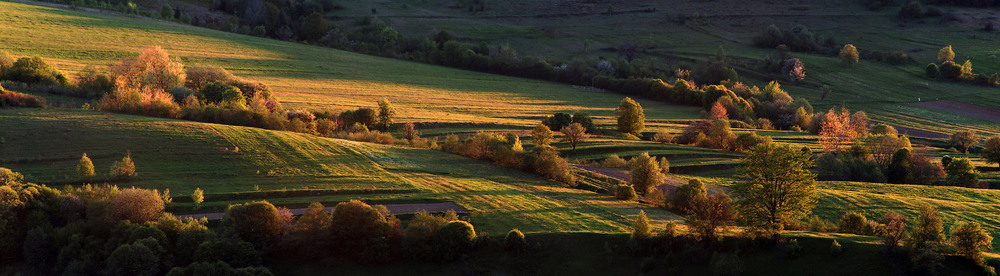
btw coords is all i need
(294, 169)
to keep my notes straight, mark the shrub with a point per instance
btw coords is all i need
(932, 70)
(895, 229)
(724, 264)
(853, 223)
(558, 121)
(256, 222)
(817, 224)
(217, 268)
(549, 165)
(613, 161)
(625, 192)
(946, 54)
(911, 10)
(15, 99)
(664, 165)
(453, 239)
(167, 12)
(123, 169)
(34, 70)
(221, 93)
(836, 249)
(950, 70)
(584, 120)
(140, 101)
(792, 249)
(93, 84)
(663, 137)
(199, 76)
(514, 241)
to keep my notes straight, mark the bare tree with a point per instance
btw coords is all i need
(628, 50)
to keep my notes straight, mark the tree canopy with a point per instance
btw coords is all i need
(775, 187)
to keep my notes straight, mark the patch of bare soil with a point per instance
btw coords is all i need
(964, 109)
(912, 132)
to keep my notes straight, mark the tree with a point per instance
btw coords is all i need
(718, 112)
(838, 129)
(385, 113)
(971, 240)
(220, 93)
(991, 152)
(961, 172)
(257, 222)
(966, 72)
(137, 205)
(584, 119)
(929, 230)
(710, 213)
(313, 27)
(684, 197)
(641, 230)
(132, 259)
(950, 70)
(946, 54)
(357, 227)
(454, 238)
(167, 12)
(312, 223)
(198, 197)
(645, 173)
(631, 118)
(152, 68)
(558, 121)
(628, 50)
(720, 54)
(574, 134)
(795, 69)
(541, 136)
(85, 168)
(900, 170)
(775, 187)
(410, 133)
(895, 229)
(123, 169)
(849, 55)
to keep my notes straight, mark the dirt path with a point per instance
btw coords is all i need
(964, 109)
(912, 132)
(395, 209)
(668, 186)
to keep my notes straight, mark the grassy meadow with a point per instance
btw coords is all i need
(237, 164)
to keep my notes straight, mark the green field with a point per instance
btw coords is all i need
(238, 164)
(183, 155)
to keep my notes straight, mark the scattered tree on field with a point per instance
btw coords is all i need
(541, 136)
(971, 240)
(895, 229)
(574, 134)
(198, 197)
(684, 197)
(410, 133)
(631, 118)
(961, 172)
(932, 70)
(641, 230)
(386, 111)
(153, 68)
(709, 213)
(645, 173)
(85, 168)
(849, 55)
(991, 151)
(928, 232)
(775, 187)
(946, 54)
(123, 169)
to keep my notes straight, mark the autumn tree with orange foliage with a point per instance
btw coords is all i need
(718, 112)
(838, 129)
(153, 69)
